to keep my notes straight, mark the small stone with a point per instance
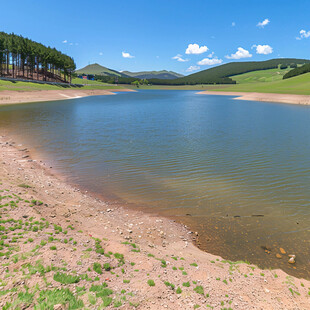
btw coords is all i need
(282, 251)
(292, 260)
(278, 255)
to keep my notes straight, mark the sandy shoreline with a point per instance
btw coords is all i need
(13, 97)
(266, 97)
(165, 252)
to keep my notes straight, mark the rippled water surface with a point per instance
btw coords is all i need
(236, 171)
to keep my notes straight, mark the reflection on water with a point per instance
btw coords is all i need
(236, 171)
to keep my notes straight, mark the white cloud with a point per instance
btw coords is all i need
(233, 24)
(263, 49)
(303, 34)
(195, 49)
(192, 68)
(241, 53)
(179, 58)
(264, 23)
(127, 55)
(209, 62)
(100, 54)
(211, 55)
(65, 41)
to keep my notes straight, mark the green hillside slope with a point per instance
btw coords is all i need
(97, 69)
(263, 76)
(163, 74)
(299, 85)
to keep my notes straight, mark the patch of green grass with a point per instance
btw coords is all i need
(97, 268)
(199, 290)
(107, 267)
(24, 185)
(186, 284)
(48, 298)
(66, 278)
(169, 284)
(151, 282)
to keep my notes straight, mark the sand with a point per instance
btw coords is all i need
(13, 97)
(281, 98)
(154, 248)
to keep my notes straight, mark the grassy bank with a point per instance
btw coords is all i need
(28, 86)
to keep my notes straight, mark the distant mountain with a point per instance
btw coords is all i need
(224, 74)
(97, 69)
(164, 75)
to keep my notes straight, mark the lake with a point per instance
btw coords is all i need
(237, 172)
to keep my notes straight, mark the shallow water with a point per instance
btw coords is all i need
(238, 172)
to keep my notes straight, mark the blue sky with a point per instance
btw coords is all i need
(158, 33)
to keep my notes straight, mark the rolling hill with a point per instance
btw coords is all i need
(299, 85)
(97, 69)
(224, 74)
(263, 76)
(164, 74)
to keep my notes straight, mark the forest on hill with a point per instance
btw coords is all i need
(22, 58)
(297, 71)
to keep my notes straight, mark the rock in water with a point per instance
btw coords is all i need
(282, 251)
(292, 259)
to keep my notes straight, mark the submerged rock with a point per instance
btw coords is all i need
(282, 251)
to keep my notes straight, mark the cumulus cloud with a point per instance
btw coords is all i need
(241, 53)
(179, 58)
(303, 34)
(209, 61)
(263, 49)
(192, 68)
(65, 41)
(127, 55)
(264, 23)
(196, 49)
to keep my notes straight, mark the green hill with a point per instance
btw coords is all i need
(97, 69)
(299, 85)
(163, 74)
(223, 74)
(261, 76)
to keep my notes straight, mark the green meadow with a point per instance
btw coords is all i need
(29, 86)
(299, 85)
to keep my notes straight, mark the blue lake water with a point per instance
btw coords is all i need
(238, 172)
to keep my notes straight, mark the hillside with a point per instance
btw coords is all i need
(97, 69)
(163, 74)
(299, 85)
(223, 74)
(263, 76)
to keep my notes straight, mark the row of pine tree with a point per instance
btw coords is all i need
(25, 59)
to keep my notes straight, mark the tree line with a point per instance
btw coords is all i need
(26, 59)
(297, 71)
